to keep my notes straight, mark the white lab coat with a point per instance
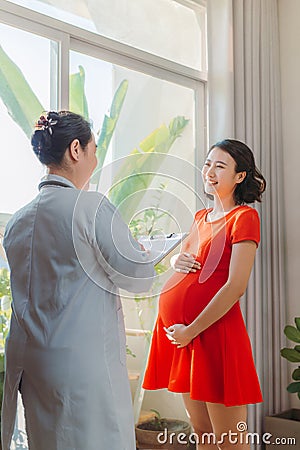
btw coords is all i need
(69, 251)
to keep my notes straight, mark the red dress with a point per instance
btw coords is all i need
(217, 366)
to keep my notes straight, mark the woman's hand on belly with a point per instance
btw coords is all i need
(185, 263)
(179, 334)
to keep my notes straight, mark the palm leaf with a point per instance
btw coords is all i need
(140, 167)
(108, 128)
(78, 101)
(21, 102)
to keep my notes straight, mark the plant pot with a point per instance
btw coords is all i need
(175, 435)
(283, 427)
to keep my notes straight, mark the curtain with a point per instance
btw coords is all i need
(257, 121)
(220, 70)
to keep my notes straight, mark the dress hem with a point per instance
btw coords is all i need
(242, 403)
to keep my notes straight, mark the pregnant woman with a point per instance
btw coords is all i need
(200, 345)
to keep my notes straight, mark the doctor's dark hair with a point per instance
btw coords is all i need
(254, 184)
(54, 133)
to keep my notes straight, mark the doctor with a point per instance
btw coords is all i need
(69, 251)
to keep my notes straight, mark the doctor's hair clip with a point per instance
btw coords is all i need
(47, 122)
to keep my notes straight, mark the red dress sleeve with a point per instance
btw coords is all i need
(246, 226)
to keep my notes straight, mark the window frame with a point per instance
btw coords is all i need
(70, 37)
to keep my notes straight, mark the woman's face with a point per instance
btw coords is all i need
(219, 175)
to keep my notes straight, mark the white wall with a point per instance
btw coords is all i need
(289, 17)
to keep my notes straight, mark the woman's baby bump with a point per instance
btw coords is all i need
(183, 297)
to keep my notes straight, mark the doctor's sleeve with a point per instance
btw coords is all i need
(120, 255)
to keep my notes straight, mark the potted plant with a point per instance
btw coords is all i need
(285, 426)
(162, 433)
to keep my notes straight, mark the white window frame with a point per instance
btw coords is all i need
(70, 37)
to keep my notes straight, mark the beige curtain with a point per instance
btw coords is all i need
(257, 121)
(220, 70)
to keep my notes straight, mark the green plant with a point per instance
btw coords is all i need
(21, 102)
(130, 352)
(293, 355)
(5, 314)
(157, 423)
(148, 223)
(138, 169)
(5, 305)
(141, 166)
(108, 128)
(24, 107)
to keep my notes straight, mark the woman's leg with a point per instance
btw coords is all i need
(228, 424)
(198, 415)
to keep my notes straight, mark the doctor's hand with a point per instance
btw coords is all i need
(179, 334)
(185, 263)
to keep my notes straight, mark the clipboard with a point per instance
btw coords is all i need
(161, 245)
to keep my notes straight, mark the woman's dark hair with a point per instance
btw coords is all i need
(55, 132)
(254, 184)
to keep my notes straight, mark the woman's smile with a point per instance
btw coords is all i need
(219, 174)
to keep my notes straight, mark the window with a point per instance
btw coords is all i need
(19, 168)
(166, 28)
(158, 92)
(150, 104)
